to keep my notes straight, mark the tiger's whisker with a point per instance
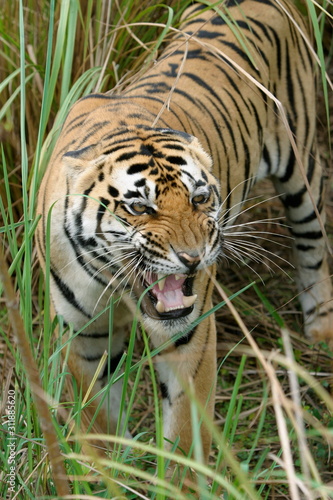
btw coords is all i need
(114, 278)
(87, 252)
(260, 235)
(273, 221)
(261, 239)
(238, 259)
(232, 191)
(112, 263)
(233, 217)
(258, 256)
(115, 262)
(240, 203)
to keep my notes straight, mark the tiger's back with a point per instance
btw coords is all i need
(220, 96)
(138, 180)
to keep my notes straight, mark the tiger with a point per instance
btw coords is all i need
(143, 185)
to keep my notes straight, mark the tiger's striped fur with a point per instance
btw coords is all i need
(137, 180)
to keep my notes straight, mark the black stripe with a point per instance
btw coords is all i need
(90, 357)
(78, 220)
(165, 392)
(309, 218)
(156, 87)
(91, 132)
(94, 335)
(261, 53)
(208, 35)
(257, 119)
(136, 168)
(314, 266)
(126, 156)
(78, 254)
(197, 8)
(304, 248)
(113, 191)
(278, 51)
(295, 200)
(173, 111)
(290, 166)
(204, 133)
(228, 125)
(247, 164)
(185, 339)
(322, 314)
(290, 83)
(110, 367)
(199, 81)
(237, 50)
(176, 160)
(267, 2)
(244, 25)
(77, 122)
(217, 239)
(132, 194)
(101, 210)
(233, 3)
(306, 108)
(140, 183)
(262, 26)
(240, 113)
(121, 144)
(67, 293)
(217, 21)
(309, 312)
(267, 159)
(177, 147)
(191, 54)
(98, 96)
(310, 235)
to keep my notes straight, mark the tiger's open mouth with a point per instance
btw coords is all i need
(169, 297)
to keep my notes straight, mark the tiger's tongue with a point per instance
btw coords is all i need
(169, 294)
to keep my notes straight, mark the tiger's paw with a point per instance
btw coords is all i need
(319, 326)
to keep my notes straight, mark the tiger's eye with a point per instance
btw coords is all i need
(139, 208)
(199, 198)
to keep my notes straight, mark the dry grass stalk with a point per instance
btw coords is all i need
(54, 452)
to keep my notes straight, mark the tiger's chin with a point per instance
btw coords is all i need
(165, 297)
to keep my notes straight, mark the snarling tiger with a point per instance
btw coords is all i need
(142, 186)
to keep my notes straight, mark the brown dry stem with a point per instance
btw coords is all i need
(40, 399)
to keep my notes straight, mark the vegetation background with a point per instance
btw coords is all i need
(274, 431)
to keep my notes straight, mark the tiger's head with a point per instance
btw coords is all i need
(144, 205)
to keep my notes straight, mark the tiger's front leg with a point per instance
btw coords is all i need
(190, 368)
(86, 352)
(187, 372)
(84, 365)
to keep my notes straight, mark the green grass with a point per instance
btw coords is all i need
(51, 54)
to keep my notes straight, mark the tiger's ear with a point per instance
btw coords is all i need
(188, 137)
(202, 155)
(81, 159)
(204, 158)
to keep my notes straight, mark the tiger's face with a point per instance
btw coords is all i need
(147, 216)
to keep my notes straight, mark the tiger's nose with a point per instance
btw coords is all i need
(190, 260)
